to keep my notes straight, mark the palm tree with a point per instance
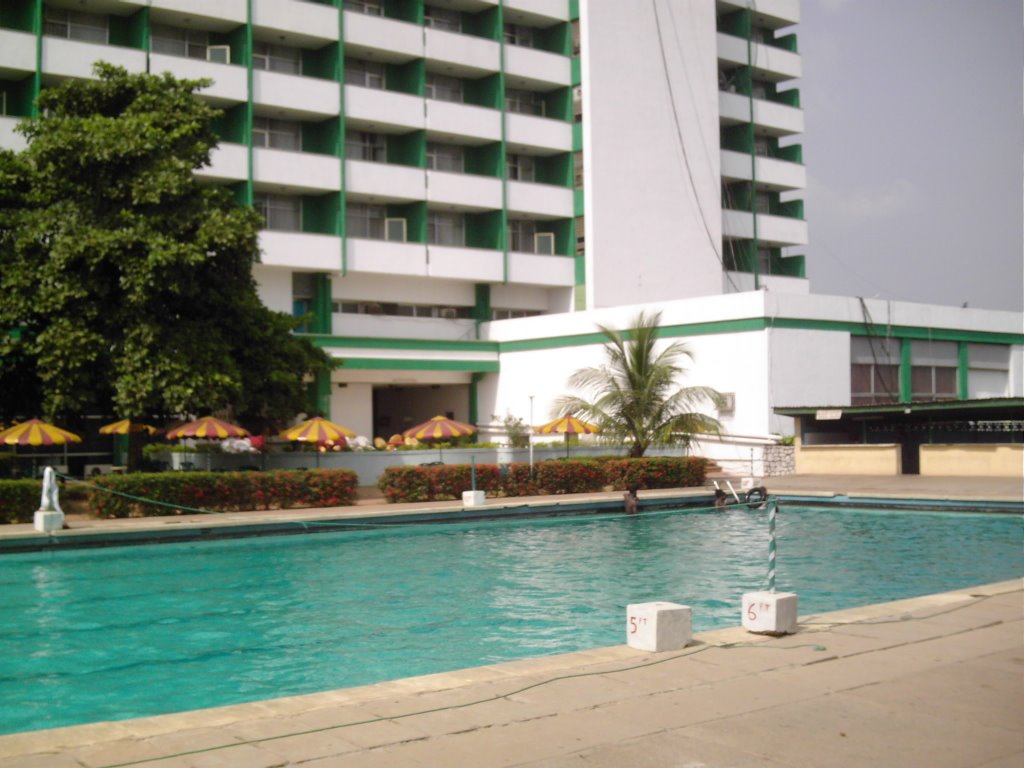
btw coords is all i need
(635, 397)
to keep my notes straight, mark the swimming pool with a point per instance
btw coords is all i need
(130, 631)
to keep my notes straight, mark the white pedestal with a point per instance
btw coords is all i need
(772, 613)
(658, 626)
(46, 521)
(473, 498)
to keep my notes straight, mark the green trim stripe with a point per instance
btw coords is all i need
(946, 405)
(373, 364)
(438, 345)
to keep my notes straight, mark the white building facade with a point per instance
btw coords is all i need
(456, 191)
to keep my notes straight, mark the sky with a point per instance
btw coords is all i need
(914, 144)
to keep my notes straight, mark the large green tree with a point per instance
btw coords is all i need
(126, 284)
(635, 397)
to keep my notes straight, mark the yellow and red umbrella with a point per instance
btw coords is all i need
(567, 425)
(36, 432)
(125, 427)
(317, 430)
(439, 428)
(209, 428)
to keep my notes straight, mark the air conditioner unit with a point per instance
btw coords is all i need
(448, 313)
(219, 54)
(544, 243)
(395, 230)
(728, 402)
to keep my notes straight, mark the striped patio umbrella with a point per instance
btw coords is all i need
(36, 432)
(439, 428)
(126, 427)
(567, 425)
(209, 428)
(317, 430)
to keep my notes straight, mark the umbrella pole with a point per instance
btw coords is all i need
(567, 445)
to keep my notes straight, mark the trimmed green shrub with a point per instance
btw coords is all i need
(570, 476)
(167, 493)
(19, 500)
(656, 472)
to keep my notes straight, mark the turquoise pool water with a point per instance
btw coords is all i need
(124, 632)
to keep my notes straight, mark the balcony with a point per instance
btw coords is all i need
(376, 110)
(387, 257)
(771, 173)
(464, 55)
(534, 69)
(551, 271)
(392, 327)
(542, 11)
(770, 63)
(17, 52)
(296, 172)
(228, 163)
(380, 182)
(230, 83)
(180, 13)
(770, 13)
(776, 119)
(74, 58)
(463, 191)
(304, 23)
(446, 119)
(296, 97)
(382, 39)
(300, 250)
(541, 133)
(545, 201)
(476, 264)
(771, 230)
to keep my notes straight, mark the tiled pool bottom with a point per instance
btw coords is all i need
(124, 632)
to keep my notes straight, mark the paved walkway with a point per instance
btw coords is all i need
(934, 682)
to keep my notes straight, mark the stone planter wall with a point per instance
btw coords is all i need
(779, 460)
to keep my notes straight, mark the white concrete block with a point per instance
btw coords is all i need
(473, 498)
(48, 520)
(658, 626)
(772, 613)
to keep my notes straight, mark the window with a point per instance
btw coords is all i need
(544, 243)
(520, 235)
(763, 202)
(507, 314)
(446, 228)
(365, 221)
(369, 7)
(445, 157)
(524, 102)
(577, 167)
(364, 73)
(363, 145)
(75, 25)
(280, 212)
(444, 88)
(521, 167)
(874, 370)
(174, 41)
(762, 146)
(988, 370)
(517, 34)
(933, 370)
(442, 18)
(277, 58)
(277, 134)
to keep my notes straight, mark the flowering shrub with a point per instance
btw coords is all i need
(655, 472)
(166, 493)
(19, 499)
(445, 481)
(571, 476)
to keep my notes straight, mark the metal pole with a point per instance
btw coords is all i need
(472, 459)
(530, 437)
(772, 509)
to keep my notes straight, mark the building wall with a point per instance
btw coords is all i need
(652, 203)
(973, 460)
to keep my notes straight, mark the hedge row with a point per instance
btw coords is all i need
(178, 492)
(19, 500)
(448, 481)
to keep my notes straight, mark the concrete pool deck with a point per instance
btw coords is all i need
(931, 681)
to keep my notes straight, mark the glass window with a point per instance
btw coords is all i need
(517, 34)
(874, 370)
(445, 157)
(365, 220)
(75, 25)
(369, 7)
(364, 73)
(933, 370)
(277, 58)
(175, 41)
(280, 212)
(988, 370)
(520, 235)
(524, 102)
(363, 145)
(442, 18)
(445, 228)
(521, 167)
(277, 134)
(444, 88)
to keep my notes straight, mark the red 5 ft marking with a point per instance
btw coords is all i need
(635, 622)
